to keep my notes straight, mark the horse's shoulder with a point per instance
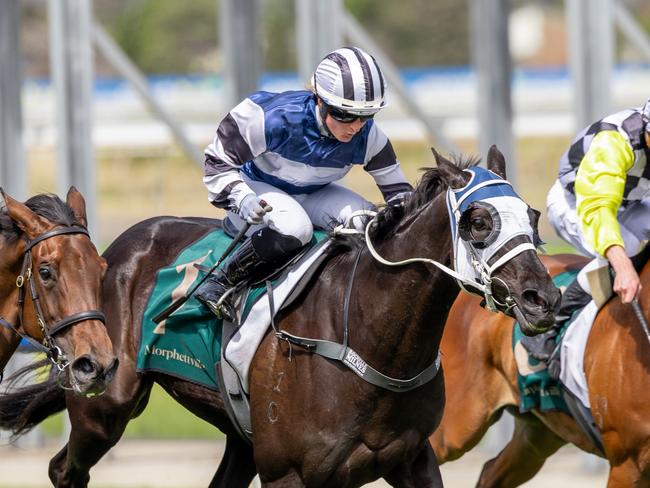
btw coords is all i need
(558, 263)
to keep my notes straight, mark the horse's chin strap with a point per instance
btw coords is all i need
(485, 270)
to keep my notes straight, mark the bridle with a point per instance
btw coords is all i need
(25, 280)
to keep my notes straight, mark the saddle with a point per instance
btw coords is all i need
(305, 265)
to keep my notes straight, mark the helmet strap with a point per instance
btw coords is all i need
(322, 113)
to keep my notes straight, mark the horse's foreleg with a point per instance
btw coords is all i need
(237, 467)
(421, 472)
(96, 426)
(531, 444)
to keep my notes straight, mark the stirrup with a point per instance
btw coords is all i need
(221, 308)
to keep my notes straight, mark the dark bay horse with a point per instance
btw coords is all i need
(480, 374)
(50, 287)
(315, 422)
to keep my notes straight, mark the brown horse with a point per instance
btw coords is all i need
(315, 422)
(50, 287)
(480, 374)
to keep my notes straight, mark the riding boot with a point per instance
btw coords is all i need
(245, 263)
(541, 346)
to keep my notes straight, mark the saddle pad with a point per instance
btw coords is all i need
(187, 344)
(537, 389)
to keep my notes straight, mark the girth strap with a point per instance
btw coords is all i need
(56, 327)
(339, 352)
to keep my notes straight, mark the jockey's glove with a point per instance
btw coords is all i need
(398, 199)
(252, 209)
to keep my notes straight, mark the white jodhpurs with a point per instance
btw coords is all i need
(297, 215)
(633, 219)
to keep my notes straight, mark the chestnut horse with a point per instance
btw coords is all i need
(50, 287)
(316, 423)
(480, 374)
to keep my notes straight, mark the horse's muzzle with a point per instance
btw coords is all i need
(89, 378)
(539, 308)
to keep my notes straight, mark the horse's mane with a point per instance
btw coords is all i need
(430, 185)
(48, 206)
(389, 217)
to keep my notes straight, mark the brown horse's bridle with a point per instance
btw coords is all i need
(48, 346)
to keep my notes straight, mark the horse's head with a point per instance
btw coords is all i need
(495, 237)
(60, 288)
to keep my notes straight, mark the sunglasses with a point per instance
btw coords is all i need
(346, 117)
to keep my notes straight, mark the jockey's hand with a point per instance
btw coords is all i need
(399, 199)
(252, 209)
(627, 283)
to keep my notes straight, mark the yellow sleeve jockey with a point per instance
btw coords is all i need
(599, 188)
(606, 168)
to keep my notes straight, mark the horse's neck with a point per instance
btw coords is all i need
(406, 307)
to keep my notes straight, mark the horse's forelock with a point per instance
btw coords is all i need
(46, 205)
(52, 208)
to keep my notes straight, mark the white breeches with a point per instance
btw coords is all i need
(297, 215)
(634, 222)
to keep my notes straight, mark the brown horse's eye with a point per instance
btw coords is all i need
(45, 273)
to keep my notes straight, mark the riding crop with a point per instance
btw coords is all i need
(179, 303)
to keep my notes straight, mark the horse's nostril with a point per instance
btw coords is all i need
(84, 366)
(534, 298)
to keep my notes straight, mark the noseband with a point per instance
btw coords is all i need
(48, 346)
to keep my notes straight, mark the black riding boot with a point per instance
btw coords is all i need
(541, 346)
(258, 256)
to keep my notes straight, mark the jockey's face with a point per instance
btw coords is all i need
(344, 131)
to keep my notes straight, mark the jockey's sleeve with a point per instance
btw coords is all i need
(599, 187)
(240, 138)
(381, 163)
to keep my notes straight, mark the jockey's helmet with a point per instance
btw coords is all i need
(646, 115)
(349, 79)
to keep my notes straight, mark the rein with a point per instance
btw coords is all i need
(48, 345)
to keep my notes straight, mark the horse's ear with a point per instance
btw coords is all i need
(76, 202)
(452, 174)
(28, 221)
(496, 162)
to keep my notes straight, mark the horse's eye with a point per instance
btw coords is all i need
(478, 223)
(45, 273)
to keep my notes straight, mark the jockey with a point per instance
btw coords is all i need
(283, 152)
(600, 204)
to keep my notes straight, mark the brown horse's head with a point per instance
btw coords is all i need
(60, 282)
(496, 239)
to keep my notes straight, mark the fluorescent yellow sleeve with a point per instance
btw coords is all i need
(599, 187)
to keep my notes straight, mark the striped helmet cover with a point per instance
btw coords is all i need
(350, 79)
(646, 115)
